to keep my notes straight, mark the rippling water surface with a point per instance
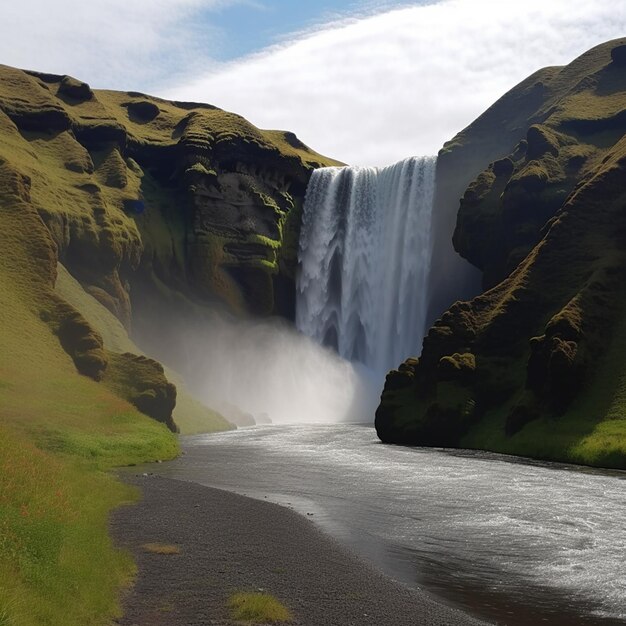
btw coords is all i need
(515, 542)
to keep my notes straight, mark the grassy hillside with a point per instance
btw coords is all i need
(105, 197)
(58, 431)
(535, 365)
(189, 414)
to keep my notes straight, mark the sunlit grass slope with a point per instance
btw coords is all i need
(58, 431)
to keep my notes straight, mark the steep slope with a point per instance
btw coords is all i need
(157, 207)
(189, 414)
(105, 197)
(58, 431)
(535, 364)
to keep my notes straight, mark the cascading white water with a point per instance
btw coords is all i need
(364, 260)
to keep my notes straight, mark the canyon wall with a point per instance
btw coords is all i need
(534, 365)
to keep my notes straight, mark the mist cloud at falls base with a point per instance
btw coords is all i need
(266, 369)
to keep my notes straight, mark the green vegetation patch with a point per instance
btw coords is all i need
(55, 551)
(261, 608)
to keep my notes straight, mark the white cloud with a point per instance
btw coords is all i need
(374, 90)
(111, 43)
(367, 91)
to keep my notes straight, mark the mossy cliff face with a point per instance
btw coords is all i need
(28, 270)
(535, 365)
(105, 197)
(182, 203)
(133, 187)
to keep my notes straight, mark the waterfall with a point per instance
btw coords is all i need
(364, 260)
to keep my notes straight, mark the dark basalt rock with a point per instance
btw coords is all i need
(99, 134)
(519, 416)
(293, 140)
(539, 141)
(142, 382)
(48, 120)
(143, 110)
(81, 342)
(503, 167)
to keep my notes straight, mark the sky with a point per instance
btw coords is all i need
(367, 82)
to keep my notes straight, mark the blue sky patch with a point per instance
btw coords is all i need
(251, 25)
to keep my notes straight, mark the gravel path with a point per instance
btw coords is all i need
(231, 543)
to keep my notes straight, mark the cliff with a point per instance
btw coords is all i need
(143, 205)
(534, 365)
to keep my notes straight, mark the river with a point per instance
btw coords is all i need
(513, 541)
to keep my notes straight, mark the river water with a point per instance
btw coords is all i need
(510, 540)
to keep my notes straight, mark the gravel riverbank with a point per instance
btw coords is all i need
(231, 543)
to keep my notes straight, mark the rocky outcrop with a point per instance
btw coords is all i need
(81, 342)
(142, 382)
(533, 365)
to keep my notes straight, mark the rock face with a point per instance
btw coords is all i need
(182, 195)
(183, 203)
(534, 365)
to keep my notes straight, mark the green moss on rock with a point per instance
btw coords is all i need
(142, 382)
(75, 89)
(110, 171)
(81, 342)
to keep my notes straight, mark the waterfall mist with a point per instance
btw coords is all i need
(365, 250)
(262, 371)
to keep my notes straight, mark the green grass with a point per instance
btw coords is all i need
(59, 433)
(57, 563)
(261, 608)
(574, 439)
